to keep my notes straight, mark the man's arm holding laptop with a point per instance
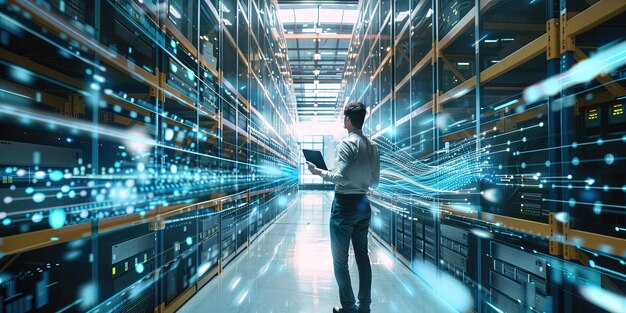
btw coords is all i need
(345, 153)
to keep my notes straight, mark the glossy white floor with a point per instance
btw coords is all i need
(289, 269)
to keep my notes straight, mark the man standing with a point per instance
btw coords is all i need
(357, 169)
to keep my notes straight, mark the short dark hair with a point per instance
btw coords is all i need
(356, 112)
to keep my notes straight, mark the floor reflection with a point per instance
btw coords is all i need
(289, 269)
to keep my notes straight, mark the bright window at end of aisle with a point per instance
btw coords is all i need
(312, 143)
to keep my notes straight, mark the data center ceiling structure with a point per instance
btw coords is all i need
(318, 34)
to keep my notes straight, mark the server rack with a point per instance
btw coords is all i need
(127, 148)
(445, 84)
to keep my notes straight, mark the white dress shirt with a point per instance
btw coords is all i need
(357, 165)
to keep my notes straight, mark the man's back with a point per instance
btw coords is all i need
(358, 165)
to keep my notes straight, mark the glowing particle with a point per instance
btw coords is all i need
(541, 124)
(65, 188)
(562, 217)
(59, 195)
(40, 174)
(189, 241)
(523, 165)
(574, 144)
(37, 217)
(3, 215)
(169, 134)
(20, 172)
(84, 214)
(39, 197)
(599, 142)
(6, 222)
(575, 161)
(56, 175)
(592, 263)
(569, 176)
(572, 202)
(57, 218)
(141, 167)
(139, 268)
(547, 164)
(481, 233)
(7, 199)
(492, 195)
(524, 139)
(597, 207)
(609, 159)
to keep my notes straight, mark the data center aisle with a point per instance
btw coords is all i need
(289, 269)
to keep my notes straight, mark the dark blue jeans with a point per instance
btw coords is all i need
(349, 221)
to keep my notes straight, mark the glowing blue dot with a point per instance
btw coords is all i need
(37, 217)
(29, 190)
(189, 241)
(141, 167)
(117, 164)
(548, 163)
(174, 68)
(133, 114)
(624, 188)
(65, 188)
(6, 221)
(94, 86)
(117, 108)
(190, 74)
(597, 207)
(523, 164)
(88, 71)
(524, 139)
(500, 166)
(569, 176)
(139, 268)
(169, 134)
(541, 124)
(72, 194)
(605, 187)
(575, 161)
(609, 159)
(599, 142)
(574, 144)
(39, 197)
(572, 202)
(57, 218)
(173, 43)
(174, 169)
(54, 238)
(592, 263)
(56, 175)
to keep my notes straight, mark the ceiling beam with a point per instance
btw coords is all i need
(310, 81)
(318, 36)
